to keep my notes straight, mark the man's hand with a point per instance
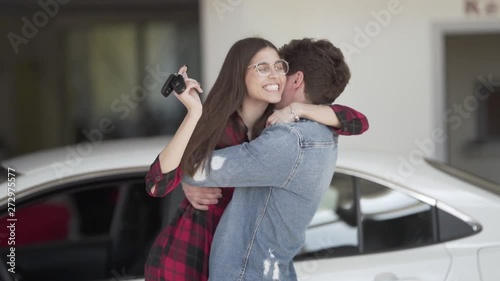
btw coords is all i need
(201, 197)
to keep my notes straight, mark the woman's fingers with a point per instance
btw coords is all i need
(189, 97)
(273, 119)
(279, 116)
(195, 87)
(190, 86)
(270, 121)
(195, 84)
(192, 80)
(199, 89)
(183, 70)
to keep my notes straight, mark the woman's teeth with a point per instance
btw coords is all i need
(271, 87)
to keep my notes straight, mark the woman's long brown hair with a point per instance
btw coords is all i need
(225, 97)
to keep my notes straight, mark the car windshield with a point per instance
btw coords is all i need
(467, 177)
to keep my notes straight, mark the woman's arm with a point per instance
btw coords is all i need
(344, 120)
(170, 157)
(320, 113)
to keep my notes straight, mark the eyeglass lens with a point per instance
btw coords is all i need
(264, 68)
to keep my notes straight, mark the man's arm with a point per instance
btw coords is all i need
(268, 160)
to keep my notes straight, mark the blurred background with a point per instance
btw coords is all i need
(67, 66)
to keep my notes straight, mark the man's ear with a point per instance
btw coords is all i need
(298, 79)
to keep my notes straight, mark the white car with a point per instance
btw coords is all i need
(82, 213)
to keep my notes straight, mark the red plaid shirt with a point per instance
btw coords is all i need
(182, 248)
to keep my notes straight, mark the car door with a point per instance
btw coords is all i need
(365, 230)
(420, 264)
(94, 229)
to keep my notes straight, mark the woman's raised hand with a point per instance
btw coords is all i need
(190, 98)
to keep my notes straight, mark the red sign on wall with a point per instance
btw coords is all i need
(486, 8)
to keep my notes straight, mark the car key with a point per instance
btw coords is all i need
(175, 82)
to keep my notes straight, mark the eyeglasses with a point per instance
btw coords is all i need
(264, 68)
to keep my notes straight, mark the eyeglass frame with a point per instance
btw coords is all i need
(274, 65)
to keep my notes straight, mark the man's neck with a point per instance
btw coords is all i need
(298, 96)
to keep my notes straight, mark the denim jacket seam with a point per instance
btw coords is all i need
(319, 144)
(297, 160)
(246, 258)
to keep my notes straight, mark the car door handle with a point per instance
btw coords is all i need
(386, 276)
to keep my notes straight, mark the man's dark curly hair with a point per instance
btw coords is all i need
(326, 73)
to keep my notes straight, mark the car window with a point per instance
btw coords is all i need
(359, 216)
(334, 228)
(61, 217)
(451, 227)
(392, 219)
(100, 229)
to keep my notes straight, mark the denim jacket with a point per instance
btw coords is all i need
(280, 178)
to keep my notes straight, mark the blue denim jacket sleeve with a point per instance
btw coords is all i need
(269, 160)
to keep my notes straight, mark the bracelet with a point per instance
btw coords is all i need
(294, 114)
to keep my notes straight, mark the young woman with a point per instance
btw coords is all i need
(252, 78)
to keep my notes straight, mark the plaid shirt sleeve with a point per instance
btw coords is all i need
(165, 183)
(352, 122)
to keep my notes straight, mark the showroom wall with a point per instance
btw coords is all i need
(391, 47)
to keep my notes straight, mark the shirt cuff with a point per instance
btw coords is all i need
(163, 182)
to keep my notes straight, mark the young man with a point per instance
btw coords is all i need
(279, 177)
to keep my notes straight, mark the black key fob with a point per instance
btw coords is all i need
(175, 82)
(167, 89)
(178, 84)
